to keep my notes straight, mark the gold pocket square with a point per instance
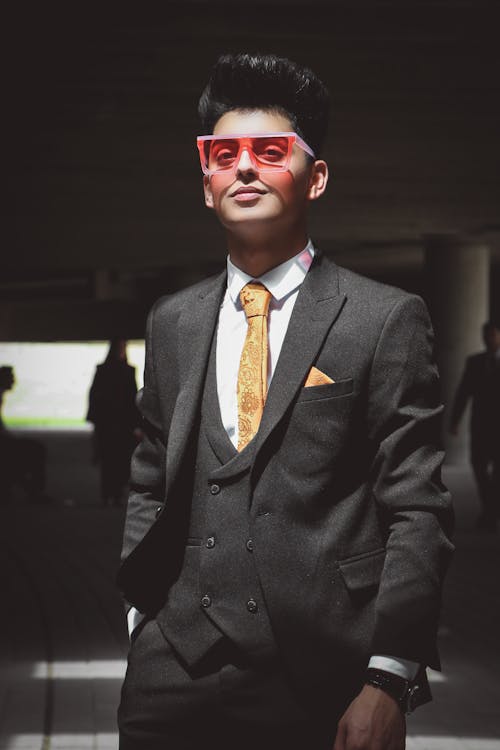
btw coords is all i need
(316, 377)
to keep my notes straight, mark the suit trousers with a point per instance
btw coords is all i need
(226, 702)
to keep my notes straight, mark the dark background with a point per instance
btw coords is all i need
(104, 208)
(102, 212)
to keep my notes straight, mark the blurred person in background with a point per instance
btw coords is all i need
(116, 420)
(22, 459)
(480, 383)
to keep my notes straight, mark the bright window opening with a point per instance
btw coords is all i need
(53, 380)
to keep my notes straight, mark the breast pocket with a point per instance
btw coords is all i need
(326, 391)
(319, 426)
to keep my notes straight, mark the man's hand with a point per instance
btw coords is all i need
(373, 721)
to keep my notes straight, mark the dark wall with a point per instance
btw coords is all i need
(100, 122)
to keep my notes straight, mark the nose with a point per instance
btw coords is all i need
(246, 162)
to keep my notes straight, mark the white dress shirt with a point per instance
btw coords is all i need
(283, 282)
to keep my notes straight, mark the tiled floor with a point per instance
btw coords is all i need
(63, 641)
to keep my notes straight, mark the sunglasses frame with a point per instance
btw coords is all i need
(293, 138)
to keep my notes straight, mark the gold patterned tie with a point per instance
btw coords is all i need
(252, 375)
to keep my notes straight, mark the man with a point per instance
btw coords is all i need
(480, 383)
(287, 526)
(113, 411)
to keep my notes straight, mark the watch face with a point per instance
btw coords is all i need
(397, 691)
(403, 693)
(398, 686)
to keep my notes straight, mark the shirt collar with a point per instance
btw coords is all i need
(281, 280)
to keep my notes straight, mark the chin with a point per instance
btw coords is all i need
(248, 215)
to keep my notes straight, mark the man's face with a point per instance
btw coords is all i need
(122, 349)
(245, 196)
(491, 336)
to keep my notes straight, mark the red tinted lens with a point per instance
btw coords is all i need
(271, 151)
(221, 153)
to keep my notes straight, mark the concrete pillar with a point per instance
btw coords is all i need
(457, 273)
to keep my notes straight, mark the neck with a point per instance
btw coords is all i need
(255, 256)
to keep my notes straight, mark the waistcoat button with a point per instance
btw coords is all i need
(250, 545)
(158, 511)
(210, 542)
(252, 606)
(206, 601)
(215, 489)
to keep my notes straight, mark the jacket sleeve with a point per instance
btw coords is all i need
(147, 478)
(404, 419)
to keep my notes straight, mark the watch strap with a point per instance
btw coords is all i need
(403, 691)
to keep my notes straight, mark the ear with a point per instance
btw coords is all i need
(207, 189)
(318, 180)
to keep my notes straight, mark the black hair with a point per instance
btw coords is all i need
(114, 349)
(6, 377)
(271, 83)
(490, 324)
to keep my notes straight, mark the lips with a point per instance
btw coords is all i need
(247, 190)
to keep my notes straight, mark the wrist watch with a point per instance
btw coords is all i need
(403, 691)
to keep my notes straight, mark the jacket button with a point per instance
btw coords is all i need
(252, 606)
(250, 545)
(211, 542)
(158, 511)
(215, 489)
(206, 601)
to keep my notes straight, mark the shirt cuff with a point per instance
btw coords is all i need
(134, 617)
(402, 667)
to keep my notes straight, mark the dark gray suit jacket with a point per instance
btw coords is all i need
(349, 517)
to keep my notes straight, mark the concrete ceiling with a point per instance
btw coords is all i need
(102, 166)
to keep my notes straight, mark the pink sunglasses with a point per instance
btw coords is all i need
(269, 152)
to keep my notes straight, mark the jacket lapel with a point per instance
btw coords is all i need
(318, 304)
(195, 333)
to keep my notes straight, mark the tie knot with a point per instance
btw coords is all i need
(255, 299)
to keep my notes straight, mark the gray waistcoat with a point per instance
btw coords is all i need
(218, 593)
